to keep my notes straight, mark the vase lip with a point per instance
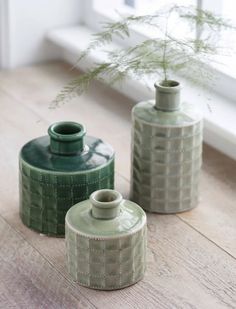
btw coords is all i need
(66, 131)
(106, 198)
(169, 86)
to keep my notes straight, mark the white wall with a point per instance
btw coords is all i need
(27, 22)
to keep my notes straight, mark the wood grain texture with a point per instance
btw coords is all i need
(191, 257)
(216, 215)
(181, 266)
(27, 278)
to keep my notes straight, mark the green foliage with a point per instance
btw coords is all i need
(159, 56)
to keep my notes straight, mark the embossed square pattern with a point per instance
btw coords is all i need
(166, 164)
(106, 263)
(45, 197)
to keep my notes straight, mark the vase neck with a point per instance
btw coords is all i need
(167, 96)
(105, 204)
(66, 138)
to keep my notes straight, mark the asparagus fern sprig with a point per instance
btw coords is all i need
(159, 56)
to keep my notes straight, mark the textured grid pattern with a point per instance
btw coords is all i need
(45, 196)
(166, 163)
(106, 264)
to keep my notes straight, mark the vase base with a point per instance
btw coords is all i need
(170, 212)
(110, 288)
(165, 208)
(42, 232)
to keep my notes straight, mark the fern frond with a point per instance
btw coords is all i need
(153, 57)
(81, 84)
(118, 29)
(205, 17)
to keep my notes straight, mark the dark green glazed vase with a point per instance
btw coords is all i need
(58, 171)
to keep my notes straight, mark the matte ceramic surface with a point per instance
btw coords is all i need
(106, 241)
(59, 170)
(166, 154)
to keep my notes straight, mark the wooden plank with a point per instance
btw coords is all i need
(28, 280)
(216, 215)
(17, 126)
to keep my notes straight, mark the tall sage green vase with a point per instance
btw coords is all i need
(106, 241)
(58, 171)
(166, 152)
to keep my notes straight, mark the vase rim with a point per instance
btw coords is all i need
(106, 198)
(66, 131)
(169, 86)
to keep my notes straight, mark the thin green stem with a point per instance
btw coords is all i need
(165, 48)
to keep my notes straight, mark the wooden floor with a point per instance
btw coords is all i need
(191, 256)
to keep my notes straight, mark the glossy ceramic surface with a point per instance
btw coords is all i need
(59, 170)
(166, 155)
(106, 241)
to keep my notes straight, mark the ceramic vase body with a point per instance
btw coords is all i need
(106, 241)
(166, 152)
(59, 170)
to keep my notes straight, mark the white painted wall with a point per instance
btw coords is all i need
(28, 21)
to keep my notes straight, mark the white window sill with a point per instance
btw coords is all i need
(219, 125)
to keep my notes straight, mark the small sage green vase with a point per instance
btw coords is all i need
(106, 241)
(59, 170)
(166, 152)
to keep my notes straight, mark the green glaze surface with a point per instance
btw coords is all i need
(37, 153)
(186, 115)
(106, 241)
(166, 155)
(53, 178)
(129, 219)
